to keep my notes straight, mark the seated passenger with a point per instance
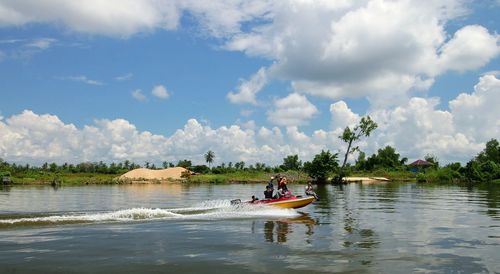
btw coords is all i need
(282, 186)
(310, 191)
(268, 193)
(270, 184)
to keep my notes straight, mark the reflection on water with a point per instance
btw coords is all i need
(277, 230)
(5, 188)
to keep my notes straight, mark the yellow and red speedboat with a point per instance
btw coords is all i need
(283, 202)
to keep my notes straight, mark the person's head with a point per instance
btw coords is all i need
(309, 184)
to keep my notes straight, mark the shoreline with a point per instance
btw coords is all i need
(295, 177)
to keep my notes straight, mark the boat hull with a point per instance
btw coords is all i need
(291, 202)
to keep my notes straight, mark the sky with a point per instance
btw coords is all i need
(253, 81)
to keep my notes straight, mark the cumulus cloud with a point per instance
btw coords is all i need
(414, 129)
(418, 128)
(138, 95)
(477, 114)
(292, 110)
(160, 91)
(342, 115)
(123, 18)
(249, 88)
(120, 18)
(32, 138)
(470, 48)
(380, 49)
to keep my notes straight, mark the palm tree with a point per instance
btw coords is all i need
(209, 157)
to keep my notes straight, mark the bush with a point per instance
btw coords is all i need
(440, 175)
(321, 166)
(4, 174)
(203, 169)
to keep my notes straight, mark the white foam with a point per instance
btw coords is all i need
(120, 215)
(208, 210)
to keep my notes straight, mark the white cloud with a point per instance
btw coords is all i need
(477, 115)
(414, 129)
(33, 138)
(292, 110)
(160, 91)
(249, 88)
(120, 18)
(493, 72)
(470, 48)
(381, 49)
(82, 79)
(123, 18)
(138, 95)
(124, 77)
(41, 43)
(418, 127)
(342, 115)
(11, 41)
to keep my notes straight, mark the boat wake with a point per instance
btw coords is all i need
(208, 210)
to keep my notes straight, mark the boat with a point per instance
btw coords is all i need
(283, 202)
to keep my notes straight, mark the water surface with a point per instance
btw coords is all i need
(389, 228)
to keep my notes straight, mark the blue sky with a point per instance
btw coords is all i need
(249, 67)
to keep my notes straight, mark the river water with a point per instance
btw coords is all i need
(356, 228)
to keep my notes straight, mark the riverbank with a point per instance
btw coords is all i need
(244, 177)
(52, 178)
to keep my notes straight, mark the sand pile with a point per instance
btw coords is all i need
(151, 174)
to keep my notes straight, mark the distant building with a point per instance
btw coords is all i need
(419, 165)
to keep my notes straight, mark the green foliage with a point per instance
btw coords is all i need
(433, 160)
(202, 169)
(185, 163)
(363, 129)
(291, 162)
(209, 157)
(386, 158)
(490, 153)
(4, 174)
(321, 166)
(486, 166)
(440, 175)
(239, 165)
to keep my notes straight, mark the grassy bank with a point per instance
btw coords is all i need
(247, 177)
(243, 176)
(48, 178)
(440, 176)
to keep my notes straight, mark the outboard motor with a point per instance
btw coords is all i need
(235, 202)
